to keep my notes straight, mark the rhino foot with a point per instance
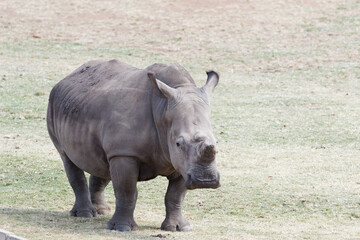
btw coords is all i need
(180, 224)
(122, 227)
(102, 209)
(86, 213)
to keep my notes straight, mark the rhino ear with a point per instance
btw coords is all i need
(211, 82)
(166, 90)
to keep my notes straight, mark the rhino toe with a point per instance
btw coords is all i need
(174, 228)
(85, 213)
(185, 229)
(102, 209)
(181, 225)
(121, 227)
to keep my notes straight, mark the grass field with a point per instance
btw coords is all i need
(286, 112)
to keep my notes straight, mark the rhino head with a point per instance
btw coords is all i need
(189, 138)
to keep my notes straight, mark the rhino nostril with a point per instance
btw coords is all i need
(189, 176)
(207, 153)
(210, 149)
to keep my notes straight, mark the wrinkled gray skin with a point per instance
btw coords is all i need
(125, 124)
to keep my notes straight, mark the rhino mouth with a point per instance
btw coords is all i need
(193, 182)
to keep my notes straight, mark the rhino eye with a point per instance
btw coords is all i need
(177, 144)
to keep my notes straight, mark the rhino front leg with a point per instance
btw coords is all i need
(97, 187)
(175, 195)
(83, 206)
(124, 173)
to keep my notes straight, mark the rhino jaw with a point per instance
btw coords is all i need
(193, 182)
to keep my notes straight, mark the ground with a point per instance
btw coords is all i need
(285, 113)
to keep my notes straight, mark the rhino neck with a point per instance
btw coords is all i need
(158, 112)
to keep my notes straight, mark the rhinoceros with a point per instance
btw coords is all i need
(124, 124)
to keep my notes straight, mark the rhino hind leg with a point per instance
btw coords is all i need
(174, 197)
(124, 173)
(83, 206)
(97, 187)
